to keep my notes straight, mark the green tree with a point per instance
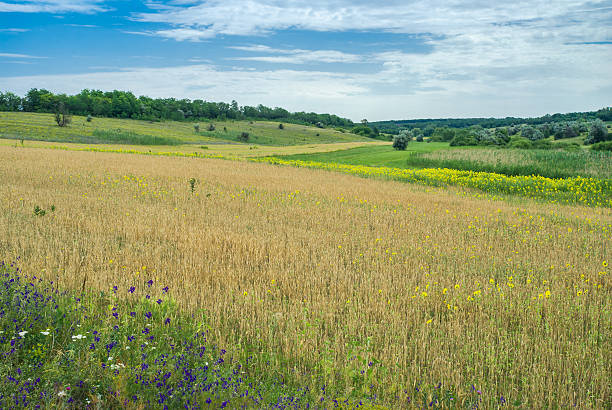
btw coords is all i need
(598, 132)
(400, 141)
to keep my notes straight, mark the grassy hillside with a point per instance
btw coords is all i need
(34, 126)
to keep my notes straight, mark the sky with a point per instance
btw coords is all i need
(378, 60)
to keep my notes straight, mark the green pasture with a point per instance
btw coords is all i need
(42, 127)
(512, 162)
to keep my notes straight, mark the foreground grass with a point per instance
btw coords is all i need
(356, 285)
(104, 350)
(511, 162)
(35, 126)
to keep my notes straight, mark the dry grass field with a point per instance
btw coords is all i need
(362, 285)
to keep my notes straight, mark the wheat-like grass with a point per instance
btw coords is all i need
(315, 269)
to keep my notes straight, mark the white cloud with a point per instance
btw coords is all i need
(53, 6)
(12, 55)
(483, 59)
(14, 30)
(377, 96)
(296, 56)
(82, 25)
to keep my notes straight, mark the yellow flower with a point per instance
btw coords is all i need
(429, 321)
(547, 294)
(604, 264)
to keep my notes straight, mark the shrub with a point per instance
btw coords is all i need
(463, 138)
(211, 127)
(244, 137)
(598, 132)
(419, 138)
(602, 146)
(531, 133)
(520, 143)
(363, 130)
(400, 141)
(89, 118)
(196, 128)
(281, 126)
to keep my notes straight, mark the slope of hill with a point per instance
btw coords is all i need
(42, 127)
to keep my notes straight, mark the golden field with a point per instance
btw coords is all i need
(323, 273)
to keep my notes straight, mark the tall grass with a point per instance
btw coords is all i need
(119, 136)
(546, 163)
(358, 286)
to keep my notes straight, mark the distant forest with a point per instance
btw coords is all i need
(124, 104)
(394, 127)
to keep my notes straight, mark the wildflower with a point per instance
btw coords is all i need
(132, 289)
(78, 337)
(22, 334)
(45, 333)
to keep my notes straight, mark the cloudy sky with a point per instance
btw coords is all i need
(355, 58)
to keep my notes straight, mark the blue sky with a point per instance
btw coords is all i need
(359, 59)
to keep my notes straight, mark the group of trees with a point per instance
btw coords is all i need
(527, 136)
(124, 104)
(394, 127)
(520, 136)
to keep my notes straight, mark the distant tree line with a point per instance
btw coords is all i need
(394, 127)
(124, 104)
(516, 136)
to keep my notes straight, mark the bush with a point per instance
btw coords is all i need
(89, 118)
(602, 146)
(400, 141)
(211, 127)
(281, 126)
(244, 137)
(463, 138)
(363, 130)
(598, 132)
(419, 138)
(520, 143)
(196, 128)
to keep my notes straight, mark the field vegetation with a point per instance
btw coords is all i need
(511, 162)
(351, 288)
(35, 126)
